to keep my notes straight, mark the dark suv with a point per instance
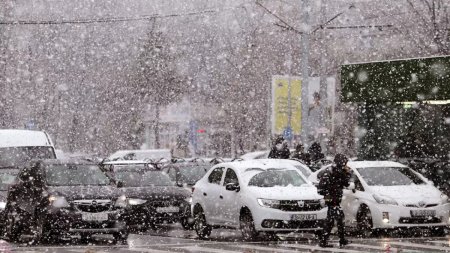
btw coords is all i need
(152, 197)
(55, 198)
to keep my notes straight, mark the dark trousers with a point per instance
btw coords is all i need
(334, 213)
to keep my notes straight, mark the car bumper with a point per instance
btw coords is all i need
(392, 216)
(145, 215)
(269, 219)
(74, 222)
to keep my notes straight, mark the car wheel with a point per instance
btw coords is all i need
(202, 229)
(12, 230)
(121, 237)
(248, 226)
(365, 223)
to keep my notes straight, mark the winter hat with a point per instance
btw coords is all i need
(340, 160)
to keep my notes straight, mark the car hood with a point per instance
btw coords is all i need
(305, 192)
(409, 194)
(156, 192)
(85, 192)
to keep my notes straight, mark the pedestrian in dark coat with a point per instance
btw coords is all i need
(331, 185)
(300, 155)
(315, 152)
(279, 149)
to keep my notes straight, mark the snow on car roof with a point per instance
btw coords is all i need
(363, 164)
(263, 164)
(141, 154)
(23, 138)
(125, 162)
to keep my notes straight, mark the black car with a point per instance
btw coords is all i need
(55, 199)
(152, 197)
(186, 173)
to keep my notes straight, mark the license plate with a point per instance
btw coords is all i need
(423, 213)
(169, 209)
(94, 216)
(304, 217)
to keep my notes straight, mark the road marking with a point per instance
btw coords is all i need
(312, 248)
(446, 243)
(423, 246)
(207, 249)
(267, 248)
(373, 247)
(149, 250)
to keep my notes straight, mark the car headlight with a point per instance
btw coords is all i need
(322, 202)
(121, 201)
(384, 200)
(444, 199)
(2, 205)
(134, 202)
(269, 203)
(58, 201)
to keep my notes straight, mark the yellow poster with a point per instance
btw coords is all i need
(284, 87)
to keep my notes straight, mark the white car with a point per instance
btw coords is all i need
(268, 195)
(387, 195)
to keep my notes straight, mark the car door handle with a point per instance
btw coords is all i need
(204, 194)
(221, 196)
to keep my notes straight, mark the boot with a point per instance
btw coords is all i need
(343, 242)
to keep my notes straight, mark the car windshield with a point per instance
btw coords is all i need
(191, 174)
(71, 175)
(7, 178)
(389, 176)
(276, 177)
(304, 171)
(16, 156)
(142, 178)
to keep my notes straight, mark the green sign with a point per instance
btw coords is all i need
(397, 81)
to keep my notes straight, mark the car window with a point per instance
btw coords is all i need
(216, 176)
(389, 176)
(192, 173)
(71, 175)
(278, 177)
(303, 170)
(141, 178)
(172, 173)
(230, 177)
(7, 178)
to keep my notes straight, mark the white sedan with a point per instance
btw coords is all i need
(387, 195)
(257, 196)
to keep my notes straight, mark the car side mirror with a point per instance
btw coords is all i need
(352, 187)
(119, 184)
(233, 187)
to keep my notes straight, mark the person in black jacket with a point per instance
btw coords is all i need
(331, 185)
(300, 155)
(315, 152)
(279, 149)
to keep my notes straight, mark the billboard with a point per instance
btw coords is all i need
(282, 87)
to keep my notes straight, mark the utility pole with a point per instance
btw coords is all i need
(305, 66)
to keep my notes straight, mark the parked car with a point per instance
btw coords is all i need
(152, 197)
(7, 178)
(186, 173)
(256, 196)
(141, 154)
(58, 198)
(387, 195)
(18, 147)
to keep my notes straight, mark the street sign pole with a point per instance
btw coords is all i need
(305, 70)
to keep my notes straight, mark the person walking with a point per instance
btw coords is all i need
(315, 152)
(331, 185)
(279, 149)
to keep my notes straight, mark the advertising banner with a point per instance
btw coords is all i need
(284, 87)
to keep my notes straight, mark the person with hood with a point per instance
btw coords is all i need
(315, 152)
(300, 155)
(279, 149)
(331, 185)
